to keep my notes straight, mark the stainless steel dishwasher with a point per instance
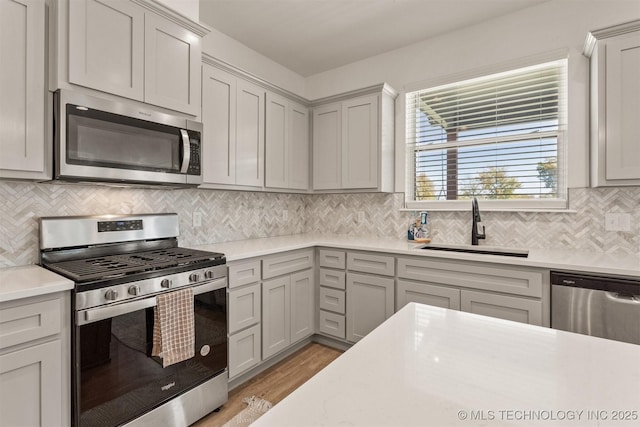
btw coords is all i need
(606, 307)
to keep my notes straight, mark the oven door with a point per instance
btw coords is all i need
(115, 377)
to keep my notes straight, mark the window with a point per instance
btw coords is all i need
(499, 138)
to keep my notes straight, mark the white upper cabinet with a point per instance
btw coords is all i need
(249, 134)
(327, 147)
(353, 142)
(125, 49)
(233, 122)
(219, 126)
(360, 142)
(171, 66)
(23, 134)
(286, 144)
(106, 46)
(615, 105)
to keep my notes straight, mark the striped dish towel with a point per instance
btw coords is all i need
(173, 327)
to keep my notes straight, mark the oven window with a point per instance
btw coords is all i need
(117, 378)
(97, 138)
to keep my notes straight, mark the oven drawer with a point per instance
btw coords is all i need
(29, 321)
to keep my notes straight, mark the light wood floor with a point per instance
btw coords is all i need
(275, 383)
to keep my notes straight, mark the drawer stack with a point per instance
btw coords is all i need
(332, 293)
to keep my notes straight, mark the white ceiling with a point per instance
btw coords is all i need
(311, 36)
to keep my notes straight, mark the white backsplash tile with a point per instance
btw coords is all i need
(235, 215)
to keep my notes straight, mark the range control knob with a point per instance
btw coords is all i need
(194, 277)
(165, 283)
(208, 274)
(111, 295)
(134, 290)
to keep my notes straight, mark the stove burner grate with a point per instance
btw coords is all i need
(104, 267)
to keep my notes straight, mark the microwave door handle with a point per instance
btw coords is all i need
(186, 149)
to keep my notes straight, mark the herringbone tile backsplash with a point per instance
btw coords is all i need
(235, 215)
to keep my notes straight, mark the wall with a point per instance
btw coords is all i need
(236, 215)
(226, 215)
(231, 51)
(582, 229)
(548, 27)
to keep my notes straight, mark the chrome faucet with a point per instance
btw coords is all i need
(475, 223)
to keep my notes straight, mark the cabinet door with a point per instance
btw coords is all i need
(302, 305)
(172, 66)
(22, 84)
(369, 303)
(327, 151)
(502, 306)
(219, 126)
(439, 296)
(249, 135)
(277, 142)
(106, 46)
(244, 307)
(30, 394)
(298, 147)
(623, 107)
(276, 315)
(360, 143)
(244, 351)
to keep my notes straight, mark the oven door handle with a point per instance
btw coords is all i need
(94, 314)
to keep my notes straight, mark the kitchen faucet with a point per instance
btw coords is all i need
(475, 223)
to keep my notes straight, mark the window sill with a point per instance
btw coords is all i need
(550, 205)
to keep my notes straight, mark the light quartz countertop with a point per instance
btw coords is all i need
(559, 259)
(428, 366)
(28, 281)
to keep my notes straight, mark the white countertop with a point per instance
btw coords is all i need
(28, 281)
(561, 259)
(428, 366)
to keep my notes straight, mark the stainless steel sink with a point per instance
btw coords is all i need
(520, 253)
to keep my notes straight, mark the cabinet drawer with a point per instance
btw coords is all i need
(423, 293)
(332, 259)
(244, 350)
(289, 262)
(370, 263)
(28, 322)
(332, 300)
(244, 307)
(244, 273)
(507, 279)
(332, 278)
(502, 306)
(332, 324)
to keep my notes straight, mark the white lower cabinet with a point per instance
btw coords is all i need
(245, 316)
(503, 291)
(244, 351)
(423, 293)
(244, 307)
(370, 301)
(502, 306)
(332, 324)
(35, 361)
(287, 307)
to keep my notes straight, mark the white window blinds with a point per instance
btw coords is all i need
(497, 137)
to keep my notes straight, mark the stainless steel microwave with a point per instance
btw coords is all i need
(98, 140)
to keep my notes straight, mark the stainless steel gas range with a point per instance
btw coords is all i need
(121, 266)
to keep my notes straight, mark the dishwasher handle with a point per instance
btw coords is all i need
(617, 285)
